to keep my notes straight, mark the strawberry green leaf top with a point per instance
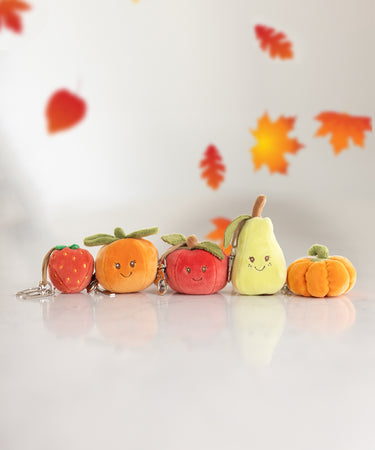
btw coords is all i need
(119, 233)
(61, 247)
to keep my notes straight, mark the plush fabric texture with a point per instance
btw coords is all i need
(191, 242)
(119, 233)
(174, 239)
(232, 227)
(126, 265)
(259, 266)
(70, 269)
(196, 271)
(321, 277)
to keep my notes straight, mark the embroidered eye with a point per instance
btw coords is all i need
(252, 259)
(204, 268)
(132, 263)
(188, 270)
(266, 258)
(117, 265)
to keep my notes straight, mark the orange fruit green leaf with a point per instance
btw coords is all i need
(217, 234)
(64, 110)
(273, 143)
(10, 16)
(342, 127)
(213, 167)
(275, 42)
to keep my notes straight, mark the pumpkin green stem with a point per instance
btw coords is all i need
(320, 251)
(119, 233)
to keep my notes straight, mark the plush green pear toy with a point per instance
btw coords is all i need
(259, 265)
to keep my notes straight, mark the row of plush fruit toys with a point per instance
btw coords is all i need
(130, 263)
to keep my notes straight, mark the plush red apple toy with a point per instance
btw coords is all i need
(192, 267)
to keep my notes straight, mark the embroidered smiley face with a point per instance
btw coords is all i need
(126, 265)
(131, 266)
(259, 264)
(198, 276)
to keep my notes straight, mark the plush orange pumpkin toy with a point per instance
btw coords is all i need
(321, 275)
(126, 262)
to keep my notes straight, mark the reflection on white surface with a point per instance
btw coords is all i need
(127, 320)
(181, 384)
(324, 316)
(196, 318)
(69, 315)
(258, 323)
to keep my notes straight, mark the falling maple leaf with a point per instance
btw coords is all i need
(64, 110)
(10, 14)
(342, 126)
(214, 168)
(221, 224)
(273, 142)
(274, 41)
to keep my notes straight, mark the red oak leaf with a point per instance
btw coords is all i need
(274, 41)
(221, 224)
(64, 110)
(342, 126)
(10, 14)
(213, 167)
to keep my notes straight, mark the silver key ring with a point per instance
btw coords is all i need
(41, 291)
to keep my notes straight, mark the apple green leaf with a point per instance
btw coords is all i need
(210, 247)
(174, 239)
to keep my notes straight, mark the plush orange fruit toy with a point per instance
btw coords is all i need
(125, 263)
(321, 275)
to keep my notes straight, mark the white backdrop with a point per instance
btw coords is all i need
(163, 79)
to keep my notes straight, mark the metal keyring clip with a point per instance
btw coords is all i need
(99, 290)
(43, 290)
(162, 287)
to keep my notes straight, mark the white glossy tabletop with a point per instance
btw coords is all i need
(180, 372)
(187, 372)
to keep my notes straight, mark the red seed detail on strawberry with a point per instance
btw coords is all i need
(68, 267)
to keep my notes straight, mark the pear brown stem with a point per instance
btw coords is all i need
(258, 206)
(192, 241)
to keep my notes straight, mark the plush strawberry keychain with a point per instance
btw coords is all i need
(69, 269)
(191, 267)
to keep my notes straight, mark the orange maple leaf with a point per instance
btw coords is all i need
(273, 143)
(342, 126)
(274, 41)
(221, 224)
(64, 110)
(214, 168)
(10, 14)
